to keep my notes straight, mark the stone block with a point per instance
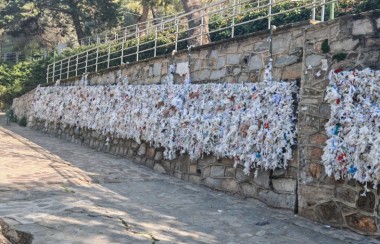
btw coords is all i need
(221, 62)
(277, 200)
(249, 190)
(193, 169)
(157, 69)
(362, 223)
(150, 151)
(281, 43)
(213, 183)
(311, 195)
(329, 212)
(233, 59)
(313, 60)
(285, 60)
(142, 149)
(207, 160)
(318, 139)
(262, 178)
(362, 27)
(149, 163)
(217, 74)
(315, 170)
(230, 185)
(366, 202)
(278, 173)
(241, 176)
(261, 46)
(217, 171)
(230, 172)
(284, 185)
(195, 179)
(159, 168)
(343, 45)
(159, 156)
(292, 72)
(255, 63)
(345, 194)
(206, 172)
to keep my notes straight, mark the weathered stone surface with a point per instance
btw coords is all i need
(249, 190)
(361, 27)
(221, 62)
(277, 200)
(214, 183)
(233, 59)
(284, 185)
(329, 212)
(158, 168)
(9, 235)
(318, 139)
(313, 60)
(195, 179)
(367, 201)
(241, 176)
(292, 72)
(207, 160)
(217, 171)
(311, 195)
(343, 45)
(150, 151)
(255, 63)
(142, 149)
(378, 23)
(281, 43)
(230, 185)
(158, 156)
(217, 74)
(230, 172)
(285, 60)
(345, 194)
(362, 223)
(262, 178)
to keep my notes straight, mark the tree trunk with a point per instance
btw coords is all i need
(195, 23)
(76, 20)
(144, 16)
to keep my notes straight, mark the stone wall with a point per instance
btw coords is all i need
(337, 203)
(241, 59)
(305, 52)
(275, 188)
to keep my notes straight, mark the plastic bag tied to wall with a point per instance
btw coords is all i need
(353, 147)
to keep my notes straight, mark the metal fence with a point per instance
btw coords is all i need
(225, 19)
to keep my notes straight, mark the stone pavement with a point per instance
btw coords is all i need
(62, 192)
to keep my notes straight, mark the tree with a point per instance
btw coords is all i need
(38, 17)
(197, 30)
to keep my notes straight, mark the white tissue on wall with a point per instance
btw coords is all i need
(252, 123)
(353, 147)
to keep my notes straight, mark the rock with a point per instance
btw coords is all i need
(158, 168)
(361, 222)
(241, 176)
(329, 212)
(262, 178)
(366, 202)
(142, 149)
(284, 185)
(217, 74)
(249, 190)
(277, 200)
(158, 156)
(8, 235)
(157, 69)
(285, 60)
(213, 183)
(313, 60)
(150, 151)
(255, 63)
(343, 45)
(233, 59)
(230, 185)
(345, 194)
(362, 27)
(217, 171)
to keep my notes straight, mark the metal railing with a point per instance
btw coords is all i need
(231, 17)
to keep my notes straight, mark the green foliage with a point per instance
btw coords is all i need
(325, 46)
(22, 122)
(340, 56)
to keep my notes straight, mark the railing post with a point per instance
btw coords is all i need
(76, 66)
(68, 68)
(53, 77)
(176, 33)
(269, 14)
(60, 70)
(122, 53)
(89, 40)
(47, 73)
(323, 11)
(138, 44)
(97, 39)
(155, 42)
(96, 59)
(313, 11)
(85, 68)
(233, 19)
(109, 56)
